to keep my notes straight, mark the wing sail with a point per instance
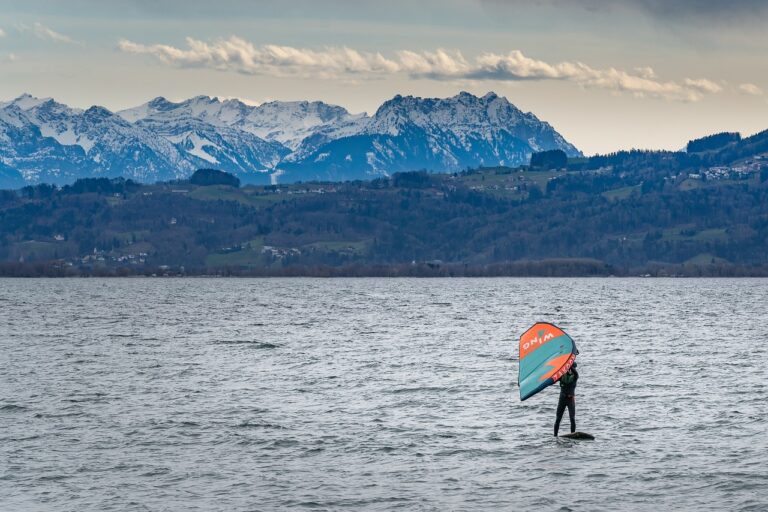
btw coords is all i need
(546, 353)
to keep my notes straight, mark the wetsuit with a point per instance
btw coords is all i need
(567, 399)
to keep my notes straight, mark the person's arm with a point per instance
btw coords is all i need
(575, 375)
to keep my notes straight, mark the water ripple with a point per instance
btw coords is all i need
(375, 394)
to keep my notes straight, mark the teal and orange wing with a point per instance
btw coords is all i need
(546, 353)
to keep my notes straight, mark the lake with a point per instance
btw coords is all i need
(378, 394)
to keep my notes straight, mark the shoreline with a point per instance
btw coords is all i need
(560, 268)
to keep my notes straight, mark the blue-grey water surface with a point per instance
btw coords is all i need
(376, 394)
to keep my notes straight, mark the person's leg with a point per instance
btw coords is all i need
(572, 412)
(560, 409)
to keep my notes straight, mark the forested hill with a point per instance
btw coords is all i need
(630, 213)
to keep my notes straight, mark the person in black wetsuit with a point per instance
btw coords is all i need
(567, 398)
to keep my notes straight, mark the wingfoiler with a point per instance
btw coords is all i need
(546, 354)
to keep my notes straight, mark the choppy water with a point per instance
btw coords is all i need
(367, 394)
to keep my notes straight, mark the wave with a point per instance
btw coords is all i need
(12, 408)
(250, 343)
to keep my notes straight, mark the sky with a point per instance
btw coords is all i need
(607, 74)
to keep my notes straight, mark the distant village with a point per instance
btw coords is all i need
(741, 171)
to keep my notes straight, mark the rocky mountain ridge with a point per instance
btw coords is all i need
(42, 140)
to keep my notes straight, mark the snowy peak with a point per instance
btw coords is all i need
(295, 140)
(458, 113)
(438, 134)
(290, 122)
(305, 112)
(57, 143)
(213, 110)
(58, 121)
(26, 101)
(12, 115)
(148, 109)
(200, 107)
(42, 108)
(285, 122)
(101, 114)
(204, 129)
(469, 119)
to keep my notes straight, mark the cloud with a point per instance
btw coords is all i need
(703, 85)
(642, 83)
(751, 89)
(2, 32)
(238, 55)
(437, 65)
(45, 33)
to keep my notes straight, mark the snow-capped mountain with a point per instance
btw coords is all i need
(46, 141)
(35, 157)
(285, 122)
(292, 122)
(466, 117)
(450, 134)
(199, 128)
(204, 108)
(220, 147)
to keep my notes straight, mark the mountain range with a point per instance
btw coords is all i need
(43, 141)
